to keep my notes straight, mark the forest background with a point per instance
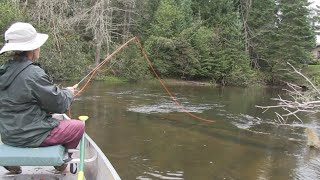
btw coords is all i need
(227, 42)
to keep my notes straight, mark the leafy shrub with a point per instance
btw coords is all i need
(9, 13)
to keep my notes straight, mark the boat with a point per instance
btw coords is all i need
(96, 164)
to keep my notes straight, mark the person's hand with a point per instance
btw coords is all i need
(73, 88)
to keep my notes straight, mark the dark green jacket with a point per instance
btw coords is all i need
(27, 97)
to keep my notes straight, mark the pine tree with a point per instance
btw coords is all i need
(227, 60)
(168, 21)
(294, 38)
(170, 50)
(259, 19)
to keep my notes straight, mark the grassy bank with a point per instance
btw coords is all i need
(111, 79)
(181, 82)
(313, 73)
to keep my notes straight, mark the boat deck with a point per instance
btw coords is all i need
(37, 173)
(97, 167)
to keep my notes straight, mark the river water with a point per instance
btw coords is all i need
(146, 136)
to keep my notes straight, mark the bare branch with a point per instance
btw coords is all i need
(295, 70)
(298, 101)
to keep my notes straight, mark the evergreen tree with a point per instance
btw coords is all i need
(203, 39)
(227, 52)
(199, 39)
(171, 52)
(168, 21)
(259, 19)
(294, 38)
(145, 10)
(185, 8)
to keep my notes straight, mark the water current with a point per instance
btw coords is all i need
(146, 136)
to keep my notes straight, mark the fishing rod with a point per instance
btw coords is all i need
(106, 59)
(93, 72)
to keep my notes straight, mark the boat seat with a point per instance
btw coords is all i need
(41, 156)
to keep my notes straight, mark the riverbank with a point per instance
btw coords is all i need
(185, 82)
(114, 80)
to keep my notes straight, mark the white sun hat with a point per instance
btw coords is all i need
(22, 37)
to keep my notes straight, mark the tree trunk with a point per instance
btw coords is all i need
(245, 6)
(98, 53)
(124, 28)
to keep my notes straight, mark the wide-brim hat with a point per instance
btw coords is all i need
(23, 37)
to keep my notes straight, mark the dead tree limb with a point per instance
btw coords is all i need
(297, 101)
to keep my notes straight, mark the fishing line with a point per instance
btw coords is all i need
(93, 72)
(164, 86)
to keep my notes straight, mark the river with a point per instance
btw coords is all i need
(146, 136)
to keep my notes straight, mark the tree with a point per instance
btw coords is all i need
(227, 51)
(64, 49)
(168, 20)
(171, 53)
(9, 12)
(294, 38)
(98, 19)
(259, 22)
(145, 10)
(124, 18)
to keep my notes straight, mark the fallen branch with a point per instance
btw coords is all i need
(306, 102)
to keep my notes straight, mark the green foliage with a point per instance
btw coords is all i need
(168, 20)
(228, 53)
(295, 38)
(112, 79)
(242, 76)
(184, 59)
(199, 51)
(9, 13)
(203, 40)
(234, 42)
(131, 65)
(146, 10)
(313, 73)
(186, 10)
(160, 51)
(172, 57)
(262, 22)
(66, 62)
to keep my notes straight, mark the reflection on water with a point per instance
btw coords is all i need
(146, 136)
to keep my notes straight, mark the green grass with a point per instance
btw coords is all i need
(313, 68)
(313, 73)
(111, 79)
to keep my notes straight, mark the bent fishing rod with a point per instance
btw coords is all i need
(93, 72)
(107, 59)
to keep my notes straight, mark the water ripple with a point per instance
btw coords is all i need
(308, 166)
(244, 121)
(168, 107)
(157, 174)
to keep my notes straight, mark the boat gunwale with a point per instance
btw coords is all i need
(105, 160)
